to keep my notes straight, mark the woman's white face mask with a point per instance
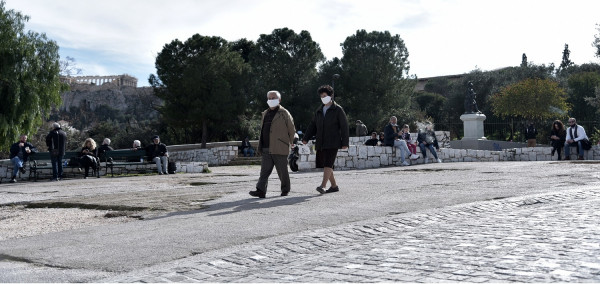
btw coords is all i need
(326, 100)
(273, 103)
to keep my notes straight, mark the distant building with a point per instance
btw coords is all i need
(117, 80)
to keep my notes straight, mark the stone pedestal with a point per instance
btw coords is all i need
(473, 126)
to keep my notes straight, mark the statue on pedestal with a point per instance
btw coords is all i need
(470, 102)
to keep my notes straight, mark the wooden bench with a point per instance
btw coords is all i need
(42, 160)
(123, 158)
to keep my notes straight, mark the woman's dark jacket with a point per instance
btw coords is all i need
(562, 134)
(93, 153)
(331, 130)
(422, 138)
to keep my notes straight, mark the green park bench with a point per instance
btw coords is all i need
(41, 160)
(123, 158)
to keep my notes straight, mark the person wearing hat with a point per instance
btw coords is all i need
(56, 141)
(157, 152)
(361, 129)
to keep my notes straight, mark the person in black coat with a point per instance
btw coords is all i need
(373, 141)
(56, 141)
(157, 152)
(330, 126)
(105, 147)
(19, 152)
(558, 136)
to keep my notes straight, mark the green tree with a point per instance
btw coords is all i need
(533, 99)
(375, 76)
(29, 77)
(432, 104)
(287, 62)
(198, 83)
(566, 62)
(583, 85)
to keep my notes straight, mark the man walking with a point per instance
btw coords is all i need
(19, 152)
(56, 141)
(276, 137)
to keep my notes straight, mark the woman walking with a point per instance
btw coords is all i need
(330, 126)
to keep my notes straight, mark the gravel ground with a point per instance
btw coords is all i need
(19, 222)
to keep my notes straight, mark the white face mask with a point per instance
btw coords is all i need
(326, 100)
(273, 103)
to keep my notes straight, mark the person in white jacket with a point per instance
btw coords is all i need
(575, 135)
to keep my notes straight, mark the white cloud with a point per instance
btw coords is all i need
(443, 37)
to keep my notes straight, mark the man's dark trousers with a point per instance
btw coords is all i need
(266, 168)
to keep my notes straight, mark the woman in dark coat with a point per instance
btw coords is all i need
(558, 135)
(330, 126)
(88, 156)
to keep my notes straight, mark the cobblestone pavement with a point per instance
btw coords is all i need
(551, 237)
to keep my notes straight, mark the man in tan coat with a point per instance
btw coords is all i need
(276, 138)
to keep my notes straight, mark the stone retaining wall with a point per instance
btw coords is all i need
(365, 157)
(217, 156)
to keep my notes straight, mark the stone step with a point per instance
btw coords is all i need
(239, 161)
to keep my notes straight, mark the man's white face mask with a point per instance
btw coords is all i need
(326, 100)
(273, 103)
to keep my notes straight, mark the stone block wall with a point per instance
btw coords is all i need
(217, 156)
(365, 157)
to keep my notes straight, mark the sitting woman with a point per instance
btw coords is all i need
(558, 136)
(88, 156)
(427, 140)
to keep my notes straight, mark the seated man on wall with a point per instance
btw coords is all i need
(575, 138)
(246, 148)
(373, 141)
(157, 152)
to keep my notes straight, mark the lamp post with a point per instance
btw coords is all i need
(335, 76)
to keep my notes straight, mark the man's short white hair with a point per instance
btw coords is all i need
(137, 143)
(274, 92)
(56, 125)
(106, 141)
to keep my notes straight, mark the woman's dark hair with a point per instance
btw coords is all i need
(325, 89)
(561, 126)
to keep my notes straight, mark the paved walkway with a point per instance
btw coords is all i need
(550, 237)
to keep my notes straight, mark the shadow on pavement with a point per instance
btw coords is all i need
(255, 203)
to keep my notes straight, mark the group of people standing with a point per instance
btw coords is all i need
(88, 157)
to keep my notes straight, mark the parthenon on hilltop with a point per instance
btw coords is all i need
(118, 80)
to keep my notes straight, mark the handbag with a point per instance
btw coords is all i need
(586, 144)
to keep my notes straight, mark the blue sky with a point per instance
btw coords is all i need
(112, 37)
